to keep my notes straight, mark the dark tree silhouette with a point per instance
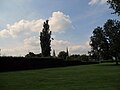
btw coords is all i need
(105, 42)
(74, 57)
(63, 54)
(31, 54)
(99, 44)
(115, 5)
(45, 41)
(112, 32)
(84, 57)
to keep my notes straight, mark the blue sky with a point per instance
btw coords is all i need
(71, 21)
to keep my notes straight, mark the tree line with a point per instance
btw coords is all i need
(105, 42)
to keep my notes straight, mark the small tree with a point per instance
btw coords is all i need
(31, 54)
(74, 57)
(84, 58)
(63, 55)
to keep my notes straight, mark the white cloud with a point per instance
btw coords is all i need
(22, 27)
(28, 33)
(4, 33)
(103, 1)
(32, 41)
(58, 22)
(80, 48)
(32, 44)
(61, 45)
(93, 2)
(15, 51)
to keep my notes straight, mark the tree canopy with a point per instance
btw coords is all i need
(105, 41)
(115, 5)
(45, 41)
(63, 54)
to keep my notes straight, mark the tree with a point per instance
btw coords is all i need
(63, 55)
(84, 58)
(74, 57)
(99, 44)
(31, 54)
(105, 43)
(115, 5)
(112, 32)
(45, 41)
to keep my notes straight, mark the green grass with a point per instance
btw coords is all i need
(83, 77)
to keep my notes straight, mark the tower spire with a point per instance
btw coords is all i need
(54, 54)
(67, 51)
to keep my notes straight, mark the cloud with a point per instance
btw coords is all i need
(14, 51)
(4, 33)
(32, 41)
(32, 44)
(21, 27)
(93, 2)
(61, 45)
(58, 22)
(26, 34)
(80, 48)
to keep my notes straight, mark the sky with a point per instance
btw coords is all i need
(71, 23)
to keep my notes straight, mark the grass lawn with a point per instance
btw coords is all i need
(84, 77)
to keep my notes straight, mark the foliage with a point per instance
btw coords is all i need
(74, 57)
(45, 41)
(31, 54)
(78, 57)
(63, 55)
(105, 42)
(84, 58)
(99, 44)
(26, 63)
(115, 5)
(112, 32)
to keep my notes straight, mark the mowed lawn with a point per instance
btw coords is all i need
(83, 77)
